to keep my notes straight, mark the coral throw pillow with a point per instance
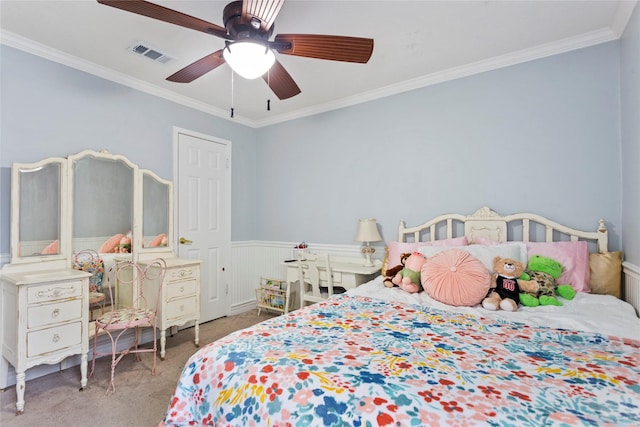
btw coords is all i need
(455, 277)
(158, 240)
(110, 245)
(52, 248)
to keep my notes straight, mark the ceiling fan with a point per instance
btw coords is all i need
(250, 22)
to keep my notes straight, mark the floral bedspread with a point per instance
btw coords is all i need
(356, 361)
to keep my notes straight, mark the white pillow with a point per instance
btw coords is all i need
(485, 253)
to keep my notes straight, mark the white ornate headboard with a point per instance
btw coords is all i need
(488, 224)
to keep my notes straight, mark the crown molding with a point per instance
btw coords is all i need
(502, 61)
(622, 16)
(29, 46)
(554, 48)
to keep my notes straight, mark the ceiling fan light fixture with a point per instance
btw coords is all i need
(248, 59)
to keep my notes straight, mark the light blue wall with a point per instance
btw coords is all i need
(630, 96)
(542, 137)
(50, 109)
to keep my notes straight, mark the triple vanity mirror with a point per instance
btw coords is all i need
(62, 209)
(90, 200)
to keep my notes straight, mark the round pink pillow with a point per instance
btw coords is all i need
(455, 277)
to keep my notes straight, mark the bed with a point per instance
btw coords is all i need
(381, 356)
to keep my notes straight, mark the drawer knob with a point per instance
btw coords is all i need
(56, 338)
(181, 288)
(55, 312)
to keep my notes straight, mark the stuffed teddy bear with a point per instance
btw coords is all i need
(506, 285)
(391, 272)
(408, 279)
(546, 272)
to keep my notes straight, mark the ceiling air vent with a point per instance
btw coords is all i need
(143, 49)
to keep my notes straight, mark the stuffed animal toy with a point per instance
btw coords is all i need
(391, 272)
(506, 285)
(408, 279)
(546, 272)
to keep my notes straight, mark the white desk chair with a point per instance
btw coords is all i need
(311, 290)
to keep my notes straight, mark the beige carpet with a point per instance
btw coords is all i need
(139, 400)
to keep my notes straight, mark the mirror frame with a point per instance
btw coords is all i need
(64, 257)
(138, 247)
(63, 232)
(137, 200)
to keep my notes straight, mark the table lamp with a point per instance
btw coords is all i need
(367, 233)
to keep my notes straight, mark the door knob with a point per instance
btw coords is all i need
(184, 241)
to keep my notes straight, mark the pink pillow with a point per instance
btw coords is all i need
(110, 245)
(51, 249)
(455, 277)
(574, 257)
(396, 249)
(158, 240)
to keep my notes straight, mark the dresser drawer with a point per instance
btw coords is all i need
(181, 308)
(181, 289)
(53, 292)
(182, 273)
(53, 339)
(46, 314)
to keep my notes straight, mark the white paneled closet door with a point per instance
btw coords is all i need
(203, 215)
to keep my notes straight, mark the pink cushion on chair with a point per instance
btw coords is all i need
(455, 277)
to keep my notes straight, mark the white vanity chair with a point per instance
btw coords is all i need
(61, 206)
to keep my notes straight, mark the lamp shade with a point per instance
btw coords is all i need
(249, 59)
(367, 231)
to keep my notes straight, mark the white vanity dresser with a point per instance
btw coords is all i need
(59, 207)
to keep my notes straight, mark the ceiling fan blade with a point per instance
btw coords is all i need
(199, 68)
(171, 16)
(281, 82)
(265, 10)
(334, 48)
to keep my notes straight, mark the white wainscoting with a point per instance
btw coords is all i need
(254, 259)
(631, 285)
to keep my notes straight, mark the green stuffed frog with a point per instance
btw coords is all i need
(546, 271)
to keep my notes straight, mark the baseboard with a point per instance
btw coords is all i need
(242, 307)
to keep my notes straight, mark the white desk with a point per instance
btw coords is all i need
(347, 272)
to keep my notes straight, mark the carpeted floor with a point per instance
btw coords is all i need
(140, 399)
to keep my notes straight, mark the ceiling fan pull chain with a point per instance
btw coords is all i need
(232, 93)
(269, 84)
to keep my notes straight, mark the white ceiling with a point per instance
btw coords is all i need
(417, 43)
